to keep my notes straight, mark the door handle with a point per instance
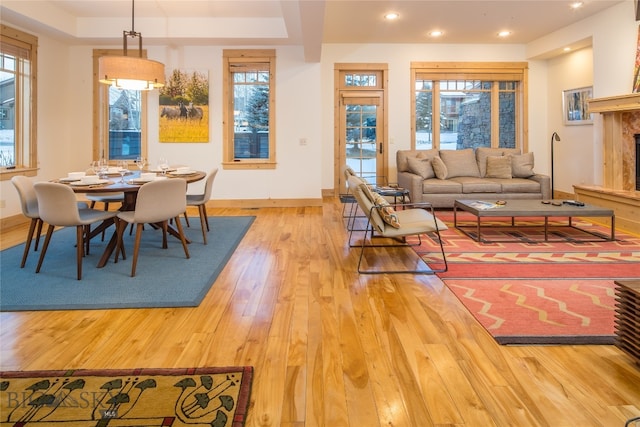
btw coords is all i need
(381, 148)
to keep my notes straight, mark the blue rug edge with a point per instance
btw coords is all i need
(174, 304)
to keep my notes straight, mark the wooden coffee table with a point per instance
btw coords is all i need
(530, 209)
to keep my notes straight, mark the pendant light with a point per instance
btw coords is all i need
(130, 72)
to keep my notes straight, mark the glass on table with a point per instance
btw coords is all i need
(163, 165)
(140, 162)
(123, 168)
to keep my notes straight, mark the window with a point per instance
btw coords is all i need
(249, 109)
(120, 133)
(18, 52)
(461, 105)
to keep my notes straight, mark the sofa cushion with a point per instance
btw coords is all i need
(420, 166)
(439, 168)
(403, 155)
(519, 185)
(522, 165)
(472, 184)
(498, 167)
(481, 157)
(439, 186)
(460, 163)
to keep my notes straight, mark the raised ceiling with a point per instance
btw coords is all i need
(307, 23)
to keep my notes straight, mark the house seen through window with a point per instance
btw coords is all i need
(478, 105)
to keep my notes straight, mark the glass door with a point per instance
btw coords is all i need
(361, 143)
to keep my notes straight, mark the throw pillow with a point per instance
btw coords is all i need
(460, 162)
(368, 193)
(522, 165)
(498, 167)
(421, 167)
(386, 211)
(481, 157)
(439, 168)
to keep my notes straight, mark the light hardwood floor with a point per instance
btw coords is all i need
(334, 348)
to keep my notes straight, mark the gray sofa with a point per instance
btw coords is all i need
(442, 176)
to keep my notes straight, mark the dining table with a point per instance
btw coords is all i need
(129, 185)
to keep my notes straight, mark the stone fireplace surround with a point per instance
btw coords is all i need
(620, 124)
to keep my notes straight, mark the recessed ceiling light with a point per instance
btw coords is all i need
(576, 4)
(436, 33)
(567, 49)
(504, 33)
(391, 16)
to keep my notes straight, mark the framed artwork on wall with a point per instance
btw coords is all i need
(575, 110)
(184, 107)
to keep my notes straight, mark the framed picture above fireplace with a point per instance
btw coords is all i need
(575, 110)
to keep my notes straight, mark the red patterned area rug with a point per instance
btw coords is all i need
(217, 397)
(522, 292)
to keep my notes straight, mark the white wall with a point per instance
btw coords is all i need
(607, 66)
(573, 155)
(305, 105)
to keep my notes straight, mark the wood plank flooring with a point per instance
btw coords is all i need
(334, 348)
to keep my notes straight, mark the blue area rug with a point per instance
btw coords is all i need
(164, 277)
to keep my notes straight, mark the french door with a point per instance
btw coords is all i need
(361, 142)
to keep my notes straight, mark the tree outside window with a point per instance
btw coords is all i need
(249, 109)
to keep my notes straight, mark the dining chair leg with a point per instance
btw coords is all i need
(80, 239)
(186, 219)
(87, 239)
(203, 223)
(136, 248)
(27, 245)
(119, 230)
(45, 246)
(206, 217)
(38, 234)
(182, 238)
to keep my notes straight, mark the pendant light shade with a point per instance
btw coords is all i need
(130, 72)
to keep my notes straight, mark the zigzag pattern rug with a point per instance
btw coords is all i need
(538, 293)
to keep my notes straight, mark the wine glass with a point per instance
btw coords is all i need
(103, 168)
(123, 168)
(163, 164)
(141, 162)
(94, 168)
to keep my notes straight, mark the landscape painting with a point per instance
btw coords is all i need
(184, 107)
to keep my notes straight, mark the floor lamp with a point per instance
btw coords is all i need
(554, 137)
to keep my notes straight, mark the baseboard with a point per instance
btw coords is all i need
(263, 203)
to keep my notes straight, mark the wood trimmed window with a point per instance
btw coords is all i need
(18, 99)
(457, 105)
(249, 109)
(119, 117)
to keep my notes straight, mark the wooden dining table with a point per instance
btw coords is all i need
(129, 188)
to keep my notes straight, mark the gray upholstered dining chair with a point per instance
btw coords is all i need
(106, 199)
(57, 206)
(200, 200)
(157, 203)
(29, 205)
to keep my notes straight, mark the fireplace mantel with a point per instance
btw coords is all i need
(620, 103)
(620, 122)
